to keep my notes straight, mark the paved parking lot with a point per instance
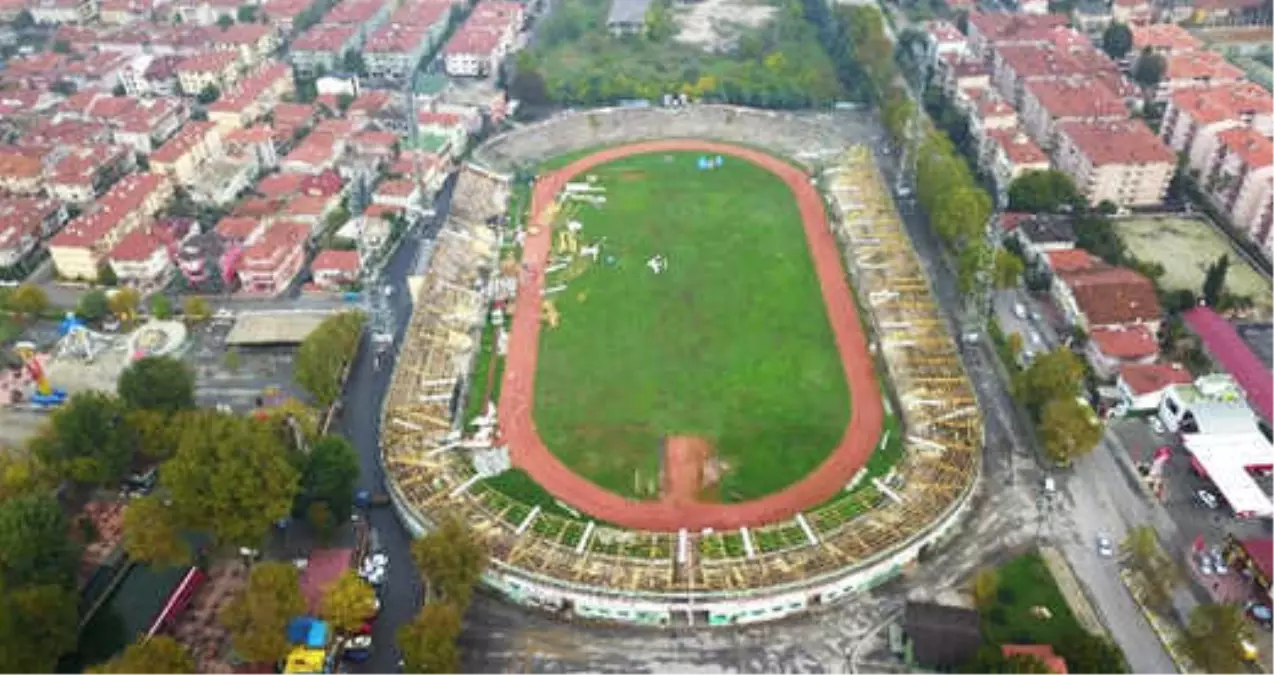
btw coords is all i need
(237, 380)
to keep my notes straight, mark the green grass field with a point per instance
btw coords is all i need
(731, 342)
(1025, 582)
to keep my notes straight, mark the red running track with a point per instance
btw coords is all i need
(527, 449)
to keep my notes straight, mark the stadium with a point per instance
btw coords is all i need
(639, 442)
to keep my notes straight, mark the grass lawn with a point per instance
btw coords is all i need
(730, 343)
(1025, 582)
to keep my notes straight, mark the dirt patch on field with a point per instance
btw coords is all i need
(689, 469)
(716, 25)
(630, 176)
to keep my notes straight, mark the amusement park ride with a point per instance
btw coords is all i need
(76, 341)
(44, 396)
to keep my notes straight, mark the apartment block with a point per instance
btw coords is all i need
(181, 158)
(80, 248)
(1047, 103)
(1197, 70)
(24, 223)
(322, 47)
(1119, 161)
(1166, 39)
(255, 42)
(1011, 154)
(46, 12)
(218, 69)
(478, 47)
(269, 265)
(413, 31)
(989, 30)
(1240, 180)
(1194, 117)
(254, 97)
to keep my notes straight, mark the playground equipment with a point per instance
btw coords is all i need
(45, 395)
(78, 342)
(157, 338)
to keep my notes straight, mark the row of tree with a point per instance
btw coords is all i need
(1050, 389)
(325, 355)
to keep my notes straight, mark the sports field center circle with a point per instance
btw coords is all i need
(529, 451)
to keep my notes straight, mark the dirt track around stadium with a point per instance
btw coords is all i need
(527, 449)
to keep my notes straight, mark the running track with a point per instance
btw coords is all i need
(527, 449)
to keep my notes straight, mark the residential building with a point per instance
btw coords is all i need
(24, 223)
(224, 178)
(333, 270)
(415, 30)
(1047, 103)
(473, 52)
(1092, 294)
(80, 248)
(1110, 349)
(1240, 181)
(123, 12)
(182, 157)
(256, 143)
(401, 194)
(322, 48)
(142, 259)
(1195, 70)
(283, 13)
(255, 42)
(63, 11)
(140, 124)
(147, 75)
(315, 153)
(254, 97)
(1166, 39)
(1074, 59)
(1194, 117)
(80, 174)
(20, 173)
(627, 17)
(945, 38)
(269, 265)
(962, 75)
(1122, 162)
(988, 30)
(1142, 385)
(1131, 12)
(241, 231)
(1013, 153)
(218, 69)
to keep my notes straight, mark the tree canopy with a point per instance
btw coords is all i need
(1069, 429)
(93, 305)
(195, 308)
(87, 440)
(38, 624)
(428, 642)
(1054, 375)
(124, 303)
(160, 383)
(1149, 69)
(34, 544)
(1213, 637)
(1116, 41)
(330, 474)
(1043, 191)
(1008, 269)
(1214, 280)
(450, 559)
(151, 534)
(1142, 553)
(258, 617)
(1086, 653)
(321, 359)
(158, 654)
(28, 299)
(231, 477)
(348, 602)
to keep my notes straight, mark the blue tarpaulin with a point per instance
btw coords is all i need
(308, 631)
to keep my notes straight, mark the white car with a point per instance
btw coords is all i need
(1104, 548)
(1206, 498)
(1019, 310)
(1205, 565)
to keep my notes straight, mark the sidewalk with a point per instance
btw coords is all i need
(1167, 631)
(1073, 591)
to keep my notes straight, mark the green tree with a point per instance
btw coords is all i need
(343, 102)
(1214, 280)
(21, 475)
(1149, 69)
(161, 307)
(1096, 234)
(231, 477)
(158, 654)
(1214, 636)
(247, 14)
(1043, 191)
(1087, 653)
(160, 383)
(28, 300)
(969, 265)
(450, 560)
(1142, 554)
(208, 94)
(1054, 375)
(87, 439)
(1008, 269)
(151, 534)
(1116, 41)
(225, 21)
(353, 62)
(196, 309)
(348, 602)
(106, 275)
(34, 546)
(1015, 343)
(986, 583)
(124, 303)
(158, 433)
(1069, 429)
(257, 618)
(960, 214)
(428, 643)
(321, 359)
(61, 47)
(93, 305)
(330, 474)
(38, 624)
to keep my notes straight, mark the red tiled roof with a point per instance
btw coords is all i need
(188, 137)
(137, 246)
(1054, 663)
(237, 227)
(208, 62)
(280, 185)
(324, 38)
(1131, 342)
(1018, 147)
(330, 259)
(1117, 142)
(15, 164)
(478, 41)
(1228, 348)
(122, 199)
(322, 184)
(1113, 295)
(243, 34)
(944, 32)
(354, 12)
(1204, 65)
(1079, 98)
(421, 12)
(396, 38)
(396, 188)
(1146, 378)
(1261, 552)
(1216, 104)
(998, 26)
(306, 206)
(294, 114)
(1073, 260)
(250, 88)
(284, 235)
(1253, 149)
(1167, 36)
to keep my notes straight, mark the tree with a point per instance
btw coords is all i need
(27, 300)
(1117, 40)
(348, 602)
(87, 439)
(196, 309)
(157, 654)
(118, 91)
(1096, 234)
(151, 534)
(160, 383)
(106, 275)
(969, 265)
(208, 94)
(344, 101)
(247, 14)
(161, 307)
(61, 47)
(124, 303)
(1054, 375)
(1214, 280)
(1141, 552)
(1008, 269)
(450, 560)
(225, 21)
(985, 585)
(21, 475)
(231, 477)
(34, 546)
(1149, 70)
(158, 433)
(1043, 191)
(93, 305)
(321, 359)
(1015, 343)
(1069, 429)
(1087, 653)
(38, 624)
(1213, 637)
(960, 214)
(353, 62)
(330, 474)
(428, 643)
(257, 618)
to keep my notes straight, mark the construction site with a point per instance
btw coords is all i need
(552, 557)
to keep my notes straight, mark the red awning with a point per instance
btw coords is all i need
(178, 600)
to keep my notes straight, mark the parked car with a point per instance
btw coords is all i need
(1205, 565)
(1206, 498)
(1019, 310)
(1104, 548)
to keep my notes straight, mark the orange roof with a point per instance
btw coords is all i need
(1252, 149)
(396, 188)
(1113, 295)
(279, 238)
(331, 259)
(1131, 342)
(237, 227)
(1226, 102)
(1117, 142)
(395, 38)
(1077, 98)
(1072, 260)
(324, 38)
(1018, 147)
(243, 33)
(1203, 65)
(123, 199)
(19, 165)
(137, 246)
(997, 26)
(476, 40)
(1145, 378)
(280, 185)
(214, 62)
(1044, 653)
(181, 143)
(306, 206)
(1164, 36)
